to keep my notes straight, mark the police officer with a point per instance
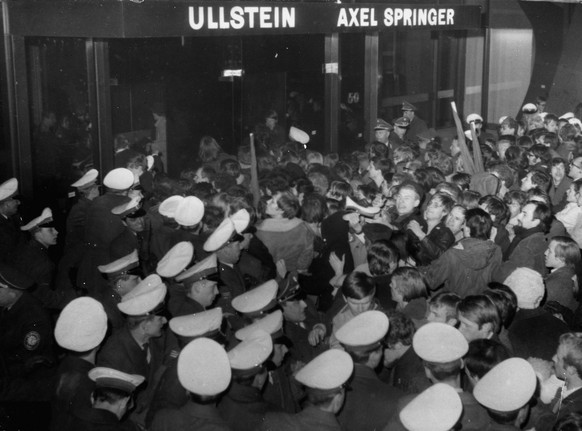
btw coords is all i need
(80, 329)
(324, 378)
(140, 346)
(204, 382)
(26, 341)
(33, 258)
(102, 227)
(243, 406)
(170, 393)
(10, 234)
(111, 400)
(120, 276)
(371, 402)
(199, 288)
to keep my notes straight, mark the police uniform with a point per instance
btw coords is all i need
(122, 352)
(180, 303)
(170, 394)
(417, 125)
(33, 259)
(26, 343)
(508, 387)
(10, 234)
(309, 419)
(243, 406)
(440, 343)
(74, 389)
(370, 403)
(80, 328)
(102, 227)
(338, 368)
(209, 378)
(100, 419)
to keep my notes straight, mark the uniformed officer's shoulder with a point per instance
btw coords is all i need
(277, 421)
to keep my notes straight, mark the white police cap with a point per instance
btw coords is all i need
(271, 324)
(176, 259)
(257, 299)
(169, 206)
(143, 298)
(189, 211)
(8, 189)
(298, 135)
(82, 325)
(473, 117)
(327, 371)
(119, 179)
(220, 237)
(567, 116)
(508, 386)
(241, 220)
(529, 108)
(250, 354)
(199, 271)
(364, 332)
(437, 408)
(439, 342)
(110, 378)
(203, 367)
(197, 325)
(46, 217)
(87, 180)
(127, 207)
(120, 265)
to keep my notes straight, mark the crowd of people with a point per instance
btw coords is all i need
(393, 288)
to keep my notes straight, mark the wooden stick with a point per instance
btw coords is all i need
(477, 156)
(465, 155)
(254, 173)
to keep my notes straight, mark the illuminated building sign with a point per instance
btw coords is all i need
(163, 18)
(326, 18)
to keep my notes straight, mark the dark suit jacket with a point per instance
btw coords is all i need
(74, 389)
(310, 419)
(244, 408)
(190, 417)
(10, 237)
(370, 403)
(121, 352)
(535, 333)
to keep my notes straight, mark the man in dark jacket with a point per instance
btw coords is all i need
(529, 245)
(111, 400)
(534, 332)
(243, 406)
(325, 393)
(140, 347)
(370, 402)
(74, 387)
(469, 266)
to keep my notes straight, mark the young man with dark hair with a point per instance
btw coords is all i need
(467, 267)
(478, 317)
(529, 245)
